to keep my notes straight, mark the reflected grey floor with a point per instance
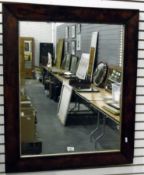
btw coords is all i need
(55, 137)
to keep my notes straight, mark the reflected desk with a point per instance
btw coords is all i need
(96, 100)
(57, 73)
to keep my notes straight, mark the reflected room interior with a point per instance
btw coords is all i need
(70, 78)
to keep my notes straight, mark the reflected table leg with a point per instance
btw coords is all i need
(102, 131)
(93, 136)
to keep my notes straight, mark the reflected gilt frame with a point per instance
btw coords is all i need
(15, 12)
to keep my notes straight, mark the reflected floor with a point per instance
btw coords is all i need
(57, 138)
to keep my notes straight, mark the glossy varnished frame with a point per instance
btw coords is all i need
(15, 12)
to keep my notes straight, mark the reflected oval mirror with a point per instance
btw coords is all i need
(100, 74)
(50, 124)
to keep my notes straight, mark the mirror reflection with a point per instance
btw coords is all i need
(70, 78)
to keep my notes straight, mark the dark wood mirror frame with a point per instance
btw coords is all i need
(15, 12)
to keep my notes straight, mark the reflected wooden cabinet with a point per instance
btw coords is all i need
(27, 120)
(26, 56)
(27, 125)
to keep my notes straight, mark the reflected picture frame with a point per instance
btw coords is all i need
(78, 42)
(74, 64)
(73, 47)
(78, 28)
(26, 46)
(73, 31)
(67, 32)
(66, 46)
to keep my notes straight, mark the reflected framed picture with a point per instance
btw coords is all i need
(78, 28)
(74, 64)
(27, 46)
(73, 31)
(64, 103)
(78, 42)
(67, 32)
(73, 47)
(66, 46)
(59, 50)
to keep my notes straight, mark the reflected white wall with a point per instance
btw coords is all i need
(40, 31)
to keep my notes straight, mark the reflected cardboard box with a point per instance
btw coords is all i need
(27, 127)
(27, 120)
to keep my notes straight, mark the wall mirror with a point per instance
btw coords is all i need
(90, 126)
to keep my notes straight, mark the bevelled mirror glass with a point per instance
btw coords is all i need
(72, 79)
